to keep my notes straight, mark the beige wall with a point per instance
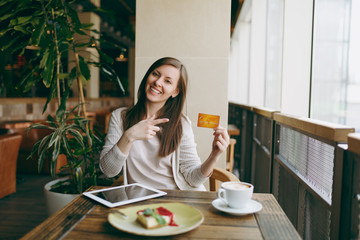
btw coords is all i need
(197, 32)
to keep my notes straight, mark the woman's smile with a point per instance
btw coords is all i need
(154, 90)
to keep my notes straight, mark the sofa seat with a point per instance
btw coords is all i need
(9, 150)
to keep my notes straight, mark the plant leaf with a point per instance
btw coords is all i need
(77, 136)
(49, 97)
(39, 31)
(48, 68)
(84, 68)
(63, 76)
(20, 29)
(79, 179)
(66, 146)
(22, 20)
(55, 152)
(54, 138)
(41, 161)
(40, 126)
(43, 144)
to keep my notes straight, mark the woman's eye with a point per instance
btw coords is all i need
(155, 74)
(168, 81)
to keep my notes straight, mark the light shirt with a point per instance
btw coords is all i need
(182, 167)
(145, 166)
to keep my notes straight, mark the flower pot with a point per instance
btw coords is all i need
(56, 201)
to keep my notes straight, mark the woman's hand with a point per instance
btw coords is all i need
(219, 145)
(221, 140)
(145, 129)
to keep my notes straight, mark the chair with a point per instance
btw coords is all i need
(230, 155)
(25, 165)
(221, 175)
(118, 182)
(102, 120)
(9, 150)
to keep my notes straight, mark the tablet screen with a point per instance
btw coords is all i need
(121, 195)
(125, 193)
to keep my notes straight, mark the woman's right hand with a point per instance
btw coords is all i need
(145, 129)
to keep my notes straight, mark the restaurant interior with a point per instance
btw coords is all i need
(282, 76)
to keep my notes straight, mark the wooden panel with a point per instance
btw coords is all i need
(330, 131)
(235, 118)
(355, 203)
(243, 106)
(246, 146)
(337, 192)
(316, 219)
(288, 194)
(266, 112)
(261, 175)
(354, 142)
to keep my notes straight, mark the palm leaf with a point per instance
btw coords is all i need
(56, 151)
(41, 160)
(79, 179)
(41, 126)
(54, 138)
(39, 31)
(66, 146)
(84, 68)
(43, 146)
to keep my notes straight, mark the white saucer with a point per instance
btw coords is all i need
(252, 207)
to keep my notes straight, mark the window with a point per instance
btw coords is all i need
(239, 59)
(274, 35)
(335, 83)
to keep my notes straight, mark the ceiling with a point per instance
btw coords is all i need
(118, 20)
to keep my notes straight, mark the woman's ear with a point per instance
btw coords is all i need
(176, 92)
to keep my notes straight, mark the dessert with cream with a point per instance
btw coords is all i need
(155, 218)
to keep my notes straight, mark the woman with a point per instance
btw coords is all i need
(153, 142)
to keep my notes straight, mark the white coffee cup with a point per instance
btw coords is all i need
(236, 194)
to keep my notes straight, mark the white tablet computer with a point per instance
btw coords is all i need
(121, 195)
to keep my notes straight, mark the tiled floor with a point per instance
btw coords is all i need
(22, 211)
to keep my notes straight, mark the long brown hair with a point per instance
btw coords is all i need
(171, 132)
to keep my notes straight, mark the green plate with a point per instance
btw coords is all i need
(187, 217)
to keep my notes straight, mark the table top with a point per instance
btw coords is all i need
(85, 218)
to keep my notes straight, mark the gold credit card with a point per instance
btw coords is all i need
(208, 120)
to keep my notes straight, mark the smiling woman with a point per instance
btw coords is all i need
(153, 142)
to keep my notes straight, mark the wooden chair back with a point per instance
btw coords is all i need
(221, 175)
(230, 155)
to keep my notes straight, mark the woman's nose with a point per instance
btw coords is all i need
(158, 82)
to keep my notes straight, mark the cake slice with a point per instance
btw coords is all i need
(155, 218)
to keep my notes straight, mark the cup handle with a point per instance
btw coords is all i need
(222, 195)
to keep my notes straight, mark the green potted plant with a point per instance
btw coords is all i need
(71, 136)
(51, 27)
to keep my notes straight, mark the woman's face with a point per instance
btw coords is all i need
(162, 83)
